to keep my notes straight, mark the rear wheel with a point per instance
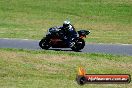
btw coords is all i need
(44, 43)
(79, 44)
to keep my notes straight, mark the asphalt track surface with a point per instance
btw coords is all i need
(116, 49)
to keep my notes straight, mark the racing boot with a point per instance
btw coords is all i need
(71, 44)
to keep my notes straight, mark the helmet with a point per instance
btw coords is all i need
(66, 24)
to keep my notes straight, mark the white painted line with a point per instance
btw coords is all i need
(19, 39)
(111, 44)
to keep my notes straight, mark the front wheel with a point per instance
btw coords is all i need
(44, 43)
(79, 44)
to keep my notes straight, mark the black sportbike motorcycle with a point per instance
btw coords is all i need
(54, 40)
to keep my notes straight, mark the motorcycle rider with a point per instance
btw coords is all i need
(68, 33)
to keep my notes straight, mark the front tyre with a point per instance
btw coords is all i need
(79, 44)
(44, 43)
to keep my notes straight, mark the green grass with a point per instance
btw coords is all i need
(55, 69)
(109, 21)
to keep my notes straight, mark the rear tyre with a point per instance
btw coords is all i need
(44, 43)
(79, 44)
